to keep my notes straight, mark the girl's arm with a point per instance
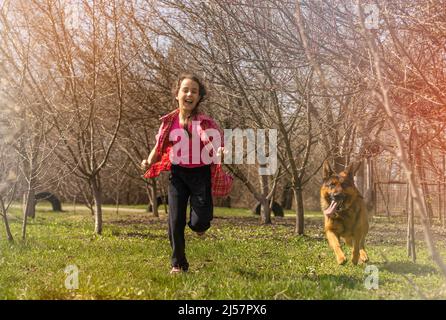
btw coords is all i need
(147, 163)
(152, 157)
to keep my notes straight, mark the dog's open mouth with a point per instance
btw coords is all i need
(339, 204)
(335, 206)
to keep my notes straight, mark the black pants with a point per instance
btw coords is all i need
(185, 184)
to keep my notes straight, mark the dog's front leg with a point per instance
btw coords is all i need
(362, 253)
(333, 240)
(356, 247)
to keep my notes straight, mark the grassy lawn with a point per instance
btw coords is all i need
(237, 259)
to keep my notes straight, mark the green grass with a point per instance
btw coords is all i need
(238, 259)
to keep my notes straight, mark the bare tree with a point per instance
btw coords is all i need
(384, 98)
(87, 72)
(8, 164)
(29, 92)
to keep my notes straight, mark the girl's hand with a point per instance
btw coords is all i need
(221, 151)
(145, 164)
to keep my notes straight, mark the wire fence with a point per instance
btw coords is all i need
(392, 198)
(391, 189)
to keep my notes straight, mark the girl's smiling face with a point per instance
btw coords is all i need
(188, 95)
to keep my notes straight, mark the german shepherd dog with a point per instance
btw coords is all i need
(345, 213)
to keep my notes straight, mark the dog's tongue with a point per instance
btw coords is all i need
(331, 209)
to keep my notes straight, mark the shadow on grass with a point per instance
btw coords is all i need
(403, 267)
(348, 282)
(139, 235)
(249, 274)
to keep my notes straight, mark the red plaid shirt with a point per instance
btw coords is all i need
(220, 180)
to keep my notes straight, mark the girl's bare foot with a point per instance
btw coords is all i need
(176, 270)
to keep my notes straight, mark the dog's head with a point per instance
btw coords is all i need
(338, 188)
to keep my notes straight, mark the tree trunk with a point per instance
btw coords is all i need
(410, 228)
(5, 220)
(29, 209)
(31, 198)
(117, 202)
(154, 192)
(97, 195)
(287, 197)
(265, 212)
(299, 202)
(117, 208)
(428, 201)
(360, 179)
(164, 195)
(422, 176)
(369, 188)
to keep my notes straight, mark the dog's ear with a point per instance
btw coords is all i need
(327, 170)
(351, 169)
